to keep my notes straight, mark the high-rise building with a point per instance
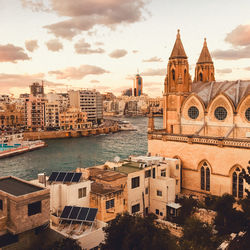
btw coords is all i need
(89, 101)
(137, 85)
(36, 89)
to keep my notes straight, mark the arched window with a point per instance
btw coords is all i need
(237, 183)
(201, 77)
(205, 177)
(173, 74)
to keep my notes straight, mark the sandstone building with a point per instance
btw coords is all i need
(206, 125)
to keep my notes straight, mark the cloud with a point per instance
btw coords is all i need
(8, 81)
(247, 68)
(118, 53)
(84, 15)
(153, 59)
(99, 43)
(149, 84)
(54, 45)
(11, 53)
(35, 5)
(224, 71)
(232, 54)
(78, 73)
(95, 81)
(31, 45)
(240, 36)
(154, 72)
(81, 47)
(135, 51)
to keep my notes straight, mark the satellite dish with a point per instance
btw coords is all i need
(117, 159)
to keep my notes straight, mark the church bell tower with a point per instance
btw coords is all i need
(204, 70)
(177, 86)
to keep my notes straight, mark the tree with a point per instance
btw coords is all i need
(187, 208)
(197, 235)
(228, 219)
(64, 244)
(127, 232)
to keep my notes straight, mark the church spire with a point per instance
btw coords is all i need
(205, 56)
(178, 50)
(204, 70)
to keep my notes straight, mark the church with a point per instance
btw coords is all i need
(206, 124)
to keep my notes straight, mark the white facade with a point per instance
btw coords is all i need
(62, 99)
(89, 101)
(62, 195)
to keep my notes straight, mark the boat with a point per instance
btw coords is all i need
(11, 145)
(126, 126)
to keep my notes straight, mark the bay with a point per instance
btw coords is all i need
(69, 153)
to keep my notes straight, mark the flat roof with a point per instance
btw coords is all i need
(17, 187)
(129, 168)
(174, 205)
(106, 175)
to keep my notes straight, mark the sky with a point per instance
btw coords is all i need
(102, 44)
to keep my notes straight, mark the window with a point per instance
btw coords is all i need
(1, 204)
(201, 77)
(34, 208)
(135, 208)
(146, 190)
(161, 214)
(173, 74)
(205, 177)
(163, 172)
(153, 172)
(147, 173)
(237, 184)
(82, 192)
(247, 114)
(177, 166)
(159, 193)
(110, 204)
(157, 211)
(220, 113)
(193, 112)
(135, 182)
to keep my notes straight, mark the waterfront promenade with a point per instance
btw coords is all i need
(43, 135)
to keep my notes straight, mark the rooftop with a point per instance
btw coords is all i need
(17, 187)
(106, 175)
(129, 168)
(99, 188)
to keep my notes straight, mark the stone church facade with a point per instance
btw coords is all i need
(206, 124)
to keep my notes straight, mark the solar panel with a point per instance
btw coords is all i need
(53, 176)
(79, 214)
(61, 176)
(68, 177)
(83, 213)
(76, 177)
(92, 214)
(74, 213)
(66, 212)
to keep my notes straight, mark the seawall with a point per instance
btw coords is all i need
(41, 135)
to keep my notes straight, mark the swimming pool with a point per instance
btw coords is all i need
(4, 147)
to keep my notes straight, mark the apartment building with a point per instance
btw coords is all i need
(108, 192)
(152, 184)
(62, 99)
(52, 115)
(24, 210)
(89, 101)
(74, 119)
(34, 112)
